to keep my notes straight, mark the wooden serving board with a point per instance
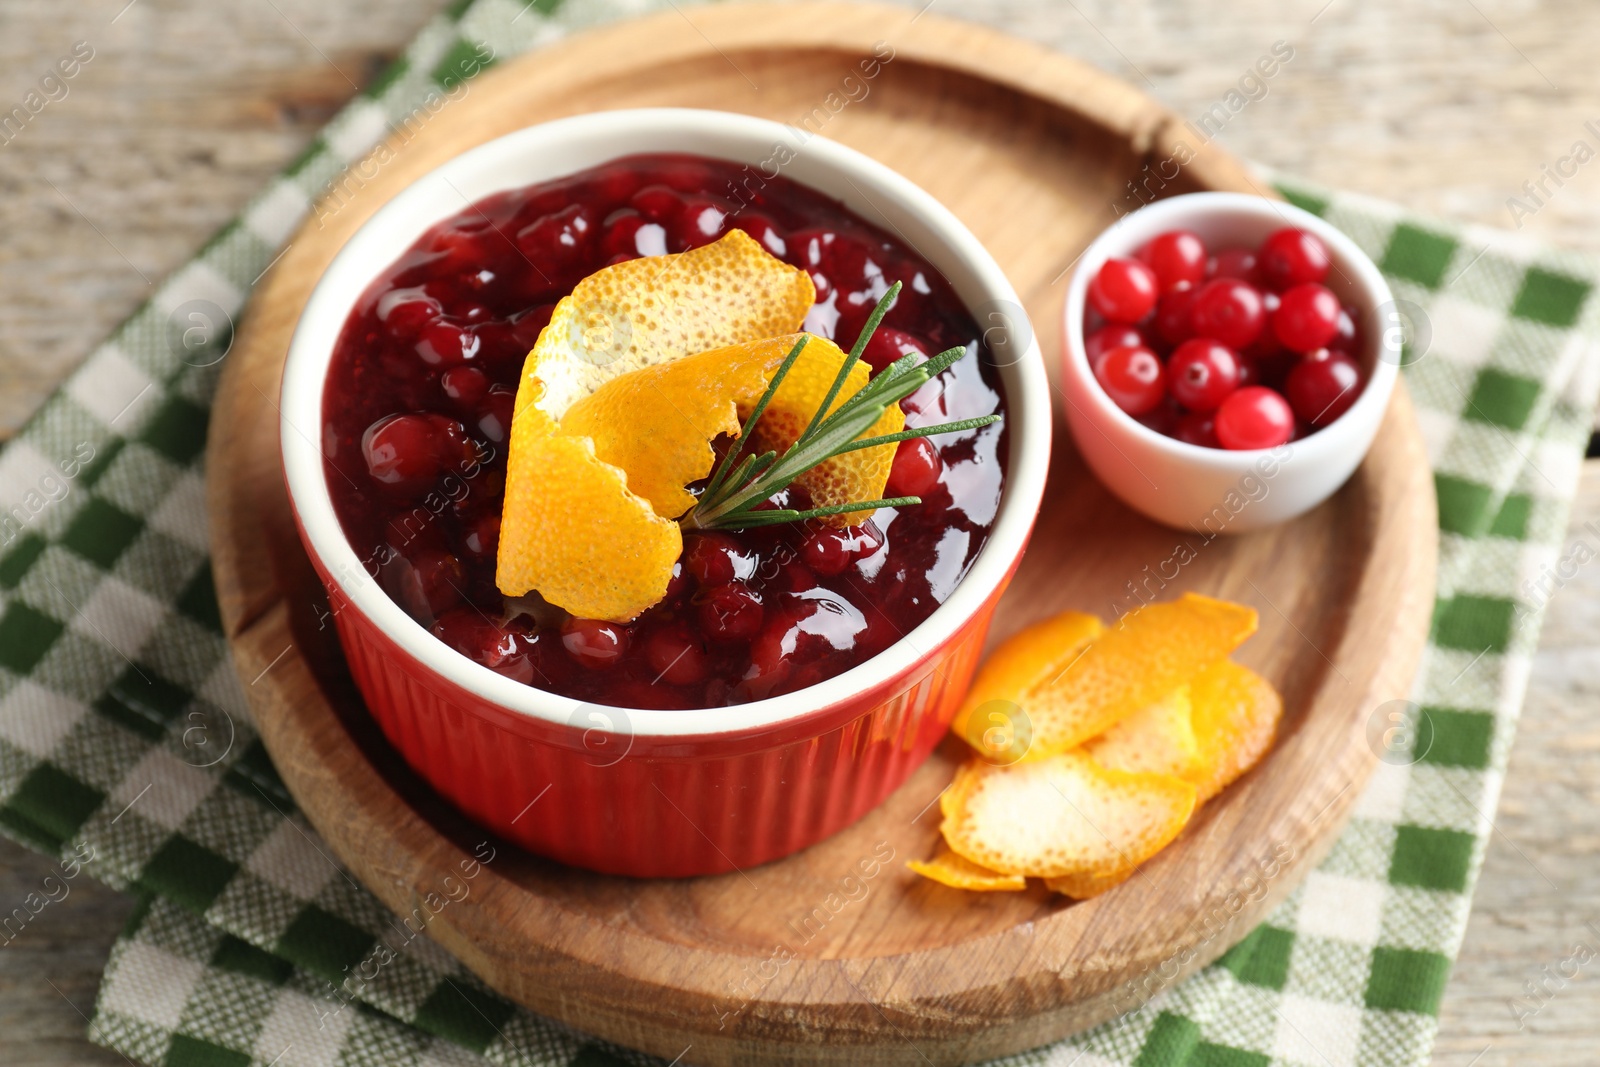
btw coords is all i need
(805, 961)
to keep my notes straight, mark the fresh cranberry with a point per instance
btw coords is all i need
(402, 451)
(1237, 263)
(1106, 338)
(1197, 428)
(594, 643)
(1178, 257)
(1254, 417)
(677, 658)
(1202, 373)
(1308, 318)
(1124, 290)
(1133, 378)
(404, 312)
(1322, 386)
(443, 343)
(1346, 338)
(1173, 315)
(1228, 310)
(464, 385)
(716, 559)
(1291, 257)
(1162, 418)
(731, 612)
(916, 468)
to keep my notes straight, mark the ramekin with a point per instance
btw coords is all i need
(1213, 490)
(636, 791)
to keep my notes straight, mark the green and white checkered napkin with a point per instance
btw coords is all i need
(124, 736)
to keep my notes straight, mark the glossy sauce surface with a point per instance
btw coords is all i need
(419, 399)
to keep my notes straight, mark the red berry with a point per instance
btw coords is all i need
(559, 241)
(1202, 373)
(444, 343)
(675, 657)
(826, 551)
(1346, 338)
(1254, 417)
(916, 468)
(716, 559)
(404, 312)
(701, 222)
(1228, 310)
(764, 230)
(1322, 386)
(483, 537)
(1124, 290)
(1133, 378)
(464, 385)
(1237, 263)
(1308, 317)
(402, 450)
(475, 637)
(1106, 338)
(1197, 428)
(1172, 315)
(656, 202)
(731, 612)
(594, 643)
(1291, 257)
(887, 345)
(1177, 257)
(494, 415)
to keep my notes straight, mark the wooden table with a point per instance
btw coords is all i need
(1446, 106)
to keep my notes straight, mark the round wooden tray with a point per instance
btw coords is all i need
(798, 961)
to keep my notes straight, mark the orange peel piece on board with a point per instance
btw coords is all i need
(571, 528)
(958, 872)
(1158, 738)
(657, 423)
(989, 718)
(1151, 651)
(1235, 717)
(1083, 887)
(1065, 815)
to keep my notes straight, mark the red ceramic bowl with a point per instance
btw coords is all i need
(641, 791)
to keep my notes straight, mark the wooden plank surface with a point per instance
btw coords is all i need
(188, 107)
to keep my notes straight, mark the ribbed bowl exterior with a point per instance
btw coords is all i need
(590, 794)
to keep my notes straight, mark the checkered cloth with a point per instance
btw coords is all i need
(125, 746)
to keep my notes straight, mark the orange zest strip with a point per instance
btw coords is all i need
(991, 718)
(958, 872)
(1065, 815)
(1150, 652)
(572, 529)
(1158, 738)
(1235, 717)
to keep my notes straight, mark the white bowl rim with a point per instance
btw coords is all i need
(1025, 383)
(1176, 212)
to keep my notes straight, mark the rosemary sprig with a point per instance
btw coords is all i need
(741, 483)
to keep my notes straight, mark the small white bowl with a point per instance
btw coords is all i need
(1213, 490)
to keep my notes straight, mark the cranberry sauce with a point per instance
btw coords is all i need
(418, 406)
